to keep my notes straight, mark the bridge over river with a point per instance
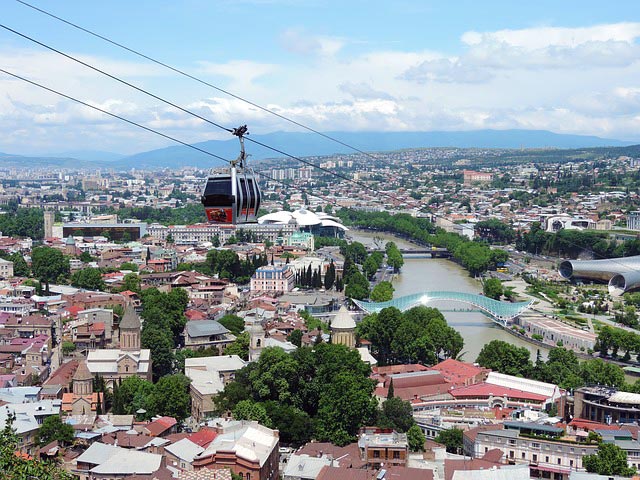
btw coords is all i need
(499, 312)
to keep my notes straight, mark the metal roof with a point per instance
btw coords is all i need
(204, 328)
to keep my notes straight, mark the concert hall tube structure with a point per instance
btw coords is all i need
(622, 274)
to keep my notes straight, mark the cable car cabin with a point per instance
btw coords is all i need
(231, 197)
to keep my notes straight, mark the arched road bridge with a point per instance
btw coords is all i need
(500, 312)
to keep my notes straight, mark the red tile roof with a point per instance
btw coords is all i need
(204, 437)
(457, 372)
(161, 425)
(487, 390)
(484, 463)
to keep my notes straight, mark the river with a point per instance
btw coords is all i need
(427, 274)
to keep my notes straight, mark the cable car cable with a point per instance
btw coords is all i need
(113, 77)
(193, 77)
(336, 174)
(169, 137)
(185, 110)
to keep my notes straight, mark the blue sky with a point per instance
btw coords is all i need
(569, 67)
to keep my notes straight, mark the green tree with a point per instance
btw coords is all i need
(610, 460)
(88, 278)
(597, 371)
(382, 292)
(68, 347)
(330, 276)
(129, 266)
(240, 346)
(54, 429)
(295, 426)
(233, 323)
(161, 346)
(131, 282)
(451, 439)
(505, 358)
(492, 288)
(562, 368)
(358, 286)
(396, 414)
(416, 439)
(171, 396)
(250, 410)
(345, 404)
(295, 337)
(20, 267)
(49, 264)
(394, 257)
(370, 266)
(86, 257)
(16, 467)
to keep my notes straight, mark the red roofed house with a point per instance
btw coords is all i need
(461, 373)
(203, 437)
(413, 386)
(161, 426)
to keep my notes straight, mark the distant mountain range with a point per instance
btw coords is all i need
(309, 144)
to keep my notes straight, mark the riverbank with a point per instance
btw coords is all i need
(436, 274)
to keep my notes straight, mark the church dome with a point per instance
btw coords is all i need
(343, 320)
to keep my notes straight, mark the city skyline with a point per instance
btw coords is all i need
(405, 67)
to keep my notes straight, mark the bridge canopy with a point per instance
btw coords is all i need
(501, 311)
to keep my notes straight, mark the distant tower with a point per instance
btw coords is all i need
(130, 330)
(70, 246)
(343, 329)
(83, 380)
(49, 217)
(256, 340)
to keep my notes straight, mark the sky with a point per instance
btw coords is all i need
(564, 66)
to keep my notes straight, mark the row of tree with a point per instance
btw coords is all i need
(476, 257)
(561, 367)
(571, 243)
(227, 264)
(611, 339)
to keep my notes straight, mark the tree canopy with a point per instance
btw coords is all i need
(53, 428)
(610, 460)
(492, 288)
(17, 467)
(419, 335)
(323, 393)
(48, 264)
(382, 292)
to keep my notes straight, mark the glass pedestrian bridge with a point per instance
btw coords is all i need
(501, 312)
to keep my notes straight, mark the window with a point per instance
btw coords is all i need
(396, 455)
(559, 461)
(535, 457)
(376, 454)
(571, 463)
(524, 455)
(535, 445)
(546, 459)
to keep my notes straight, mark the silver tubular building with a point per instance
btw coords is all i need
(622, 274)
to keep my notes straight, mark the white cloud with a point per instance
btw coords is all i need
(492, 53)
(574, 80)
(300, 42)
(542, 37)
